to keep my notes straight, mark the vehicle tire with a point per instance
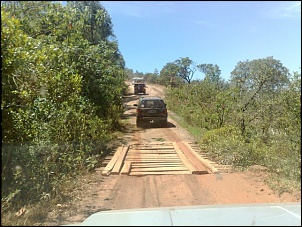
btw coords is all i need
(138, 123)
(165, 124)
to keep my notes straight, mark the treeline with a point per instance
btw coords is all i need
(62, 84)
(252, 119)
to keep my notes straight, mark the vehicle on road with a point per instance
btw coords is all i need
(139, 88)
(137, 80)
(151, 109)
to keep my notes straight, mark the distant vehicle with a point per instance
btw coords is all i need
(267, 214)
(140, 88)
(137, 80)
(151, 109)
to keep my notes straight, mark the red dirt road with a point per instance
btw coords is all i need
(122, 191)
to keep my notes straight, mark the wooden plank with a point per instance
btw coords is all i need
(146, 162)
(126, 168)
(152, 155)
(152, 148)
(151, 158)
(147, 149)
(157, 164)
(153, 161)
(158, 169)
(150, 143)
(153, 151)
(154, 145)
(119, 163)
(156, 159)
(157, 153)
(142, 173)
(184, 160)
(112, 162)
(201, 169)
(154, 164)
(205, 162)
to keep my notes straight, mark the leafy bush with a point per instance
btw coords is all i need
(227, 146)
(61, 98)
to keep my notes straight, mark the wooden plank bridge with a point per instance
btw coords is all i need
(156, 158)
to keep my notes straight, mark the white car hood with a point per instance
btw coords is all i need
(269, 214)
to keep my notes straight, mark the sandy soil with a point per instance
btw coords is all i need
(122, 191)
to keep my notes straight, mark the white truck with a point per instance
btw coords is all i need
(137, 80)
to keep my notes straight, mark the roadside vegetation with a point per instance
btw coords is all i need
(252, 119)
(62, 84)
(63, 78)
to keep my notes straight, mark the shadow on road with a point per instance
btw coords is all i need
(157, 125)
(130, 97)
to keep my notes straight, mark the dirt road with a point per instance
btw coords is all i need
(122, 191)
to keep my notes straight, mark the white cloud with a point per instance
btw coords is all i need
(285, 10)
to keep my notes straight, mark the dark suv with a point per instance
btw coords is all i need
(151, 109)
(139, 88)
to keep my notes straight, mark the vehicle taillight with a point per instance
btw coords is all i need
(138, 111)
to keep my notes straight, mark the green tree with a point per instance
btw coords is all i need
(32, 16)
(151, 77)
(212, 72)
(186, 68)
(288, 124)
(61, 98)
(97, 22)
(257, 84)
(169, 73)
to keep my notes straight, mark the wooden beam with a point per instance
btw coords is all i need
(143, 157)
(177, 167)
(153, 151)
(153, 161)
(142, 173)
(158, 169)
(156, 164)
(126, 168)
(153, 148)
(201, 169)
(153, 155)
(207, 163)
(119, 163)
(184, 160)
(112, 162)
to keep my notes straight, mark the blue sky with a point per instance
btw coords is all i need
(153, 33)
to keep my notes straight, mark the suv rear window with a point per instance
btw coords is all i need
(152, 104)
